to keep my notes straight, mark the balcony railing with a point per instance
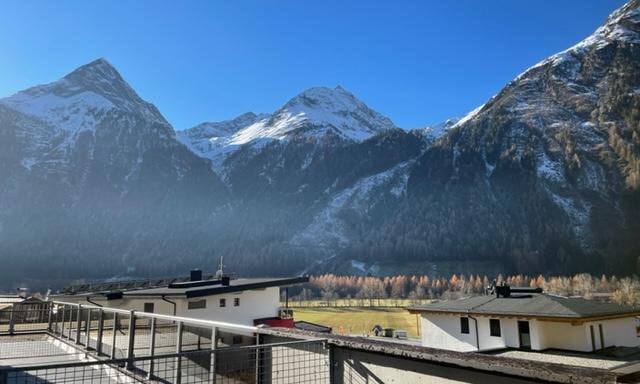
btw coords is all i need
(47, 343)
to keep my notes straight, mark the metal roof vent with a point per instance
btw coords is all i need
(196, 275)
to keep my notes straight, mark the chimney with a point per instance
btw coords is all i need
(225, 280)
(503, 290)
(196, 275)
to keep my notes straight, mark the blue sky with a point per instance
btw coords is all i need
(417, 62)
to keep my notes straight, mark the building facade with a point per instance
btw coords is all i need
(528, 320)
(239, 301)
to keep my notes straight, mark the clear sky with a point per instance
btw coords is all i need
(417, 62)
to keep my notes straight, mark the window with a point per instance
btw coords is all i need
(148, 307)
(494, 327)
(223, 303)
(236, 301)
(464, 325)
(200, 304)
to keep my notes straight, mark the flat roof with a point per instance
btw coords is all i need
(544, 371)
(214, 287)
(530, 305)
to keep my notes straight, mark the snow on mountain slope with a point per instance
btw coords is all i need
(317, 111)
(77, 100)
(437, 130)
(571, 119)
(328, 229)
(88, 119)
(211, 140)
(313, 113)
(621, 26)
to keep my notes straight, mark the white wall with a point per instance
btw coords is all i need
(254, 304)
(443, 331)
(561, 335)
(617, 332)
(620, 332)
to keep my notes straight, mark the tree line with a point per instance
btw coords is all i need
(333, 287)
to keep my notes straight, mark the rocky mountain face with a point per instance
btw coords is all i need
(93, 180)
(544, 177)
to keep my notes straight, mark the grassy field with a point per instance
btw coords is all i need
(359, 320)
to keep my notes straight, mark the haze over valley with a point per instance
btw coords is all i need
(544, 177)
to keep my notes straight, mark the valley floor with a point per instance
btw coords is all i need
(360, 320)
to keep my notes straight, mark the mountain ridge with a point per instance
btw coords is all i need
(542, 178)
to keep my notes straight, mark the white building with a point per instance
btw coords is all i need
(526, 319)
(239, 301)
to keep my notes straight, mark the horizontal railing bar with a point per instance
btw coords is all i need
(186, 320)
(161, 356)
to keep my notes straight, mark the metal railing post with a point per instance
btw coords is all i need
(132, 339)
(70, 322)
(11, 319)
(212, 364)
(100, 330)
(50, 318)
(152, 346)
(333, 364)
(114, 336)
(78, 323)
(64, 310)
(257, 367)
(177, 373)
(87, 329)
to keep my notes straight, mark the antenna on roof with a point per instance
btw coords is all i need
(220, 271)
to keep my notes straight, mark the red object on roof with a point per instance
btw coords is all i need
(275, 322)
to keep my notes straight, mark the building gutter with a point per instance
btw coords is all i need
(170, 302)
(475, 321)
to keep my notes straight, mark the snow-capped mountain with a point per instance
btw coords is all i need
(316, 112)
(547, 171)
(313, 113)
(75, 116)
(543, 177)
(92, 173)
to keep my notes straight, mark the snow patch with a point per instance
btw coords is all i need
(328, 229)
(549, 169)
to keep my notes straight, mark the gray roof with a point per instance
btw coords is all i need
(534, 305)
(212, 287)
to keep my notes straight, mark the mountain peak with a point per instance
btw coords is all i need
(622, 26)
(320, 109)
(314, 95)
(88, 91)
(97, 70)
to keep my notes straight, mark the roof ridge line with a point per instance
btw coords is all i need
(476, 306)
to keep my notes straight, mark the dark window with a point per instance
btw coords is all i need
(236, 301)
(200, 304)
(494, 327)
(148, 307)
(464, 325)
(223, 302)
